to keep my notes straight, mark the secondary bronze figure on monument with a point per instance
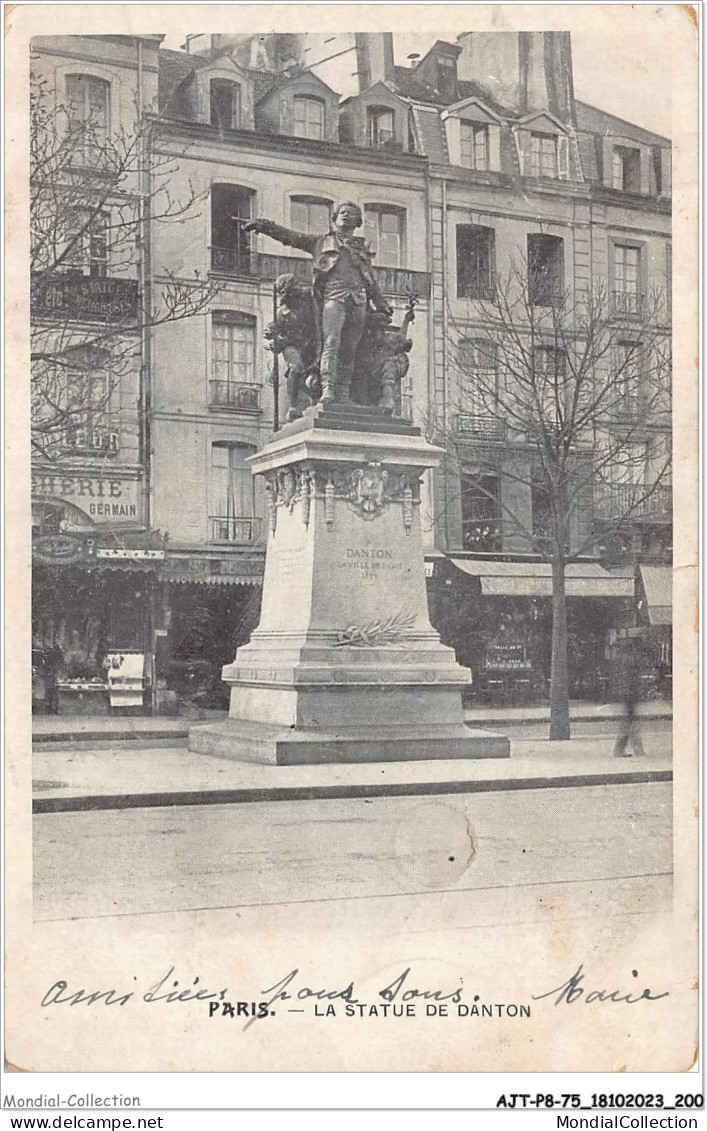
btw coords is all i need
(336, 338)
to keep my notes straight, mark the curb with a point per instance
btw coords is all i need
(57, 738)
(333, 792)
(41, 738)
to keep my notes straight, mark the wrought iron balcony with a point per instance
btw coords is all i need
(240, 261)
(84, 298)
(236, 529)
(626, 409)
(633, 502)
(90, 441)
(469, 424)
(628, 303)
(235, 395)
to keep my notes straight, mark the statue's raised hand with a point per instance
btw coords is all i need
(255, 226)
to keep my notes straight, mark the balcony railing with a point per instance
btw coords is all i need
(628, 303)
(626, 409)
(235, 395)
(237, 261)
(479, 427)
(236, 529)
(90, 441)
(632, 502)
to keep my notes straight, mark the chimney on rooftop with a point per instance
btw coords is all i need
(374, 58)
(523, 70)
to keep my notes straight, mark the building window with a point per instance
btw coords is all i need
(86, 404)
(233, 383)
(546, 276)
(541, 511)
(233, 517)
(478, 401)
(551, 389)
(309, 117)
(481, 513)
(381, 127)
(88, 107)
(310, 214)
(626, 169)
(86, 244)
(543, 155)
(231, 209)
(627, 380)
(627, 267)
(225, 104)
(475, 145)
(384, 230)
(475, 261)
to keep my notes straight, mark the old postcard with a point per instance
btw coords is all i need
(351, 586)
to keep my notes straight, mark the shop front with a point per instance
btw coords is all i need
(212, 605)
(498, 618)
(95, 587)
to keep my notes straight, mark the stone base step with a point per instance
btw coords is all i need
(246, 741)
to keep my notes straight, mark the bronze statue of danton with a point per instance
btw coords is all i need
(348, 311)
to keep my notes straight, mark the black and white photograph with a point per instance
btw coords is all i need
(353, 567)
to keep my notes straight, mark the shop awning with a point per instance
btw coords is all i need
(657, 584)
(534, 579)
(212, 571)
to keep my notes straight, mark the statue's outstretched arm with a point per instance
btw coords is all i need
(303, 240)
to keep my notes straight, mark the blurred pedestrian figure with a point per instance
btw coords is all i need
(627, 682)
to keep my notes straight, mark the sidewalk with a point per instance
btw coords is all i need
(61, 729)
(88, 779)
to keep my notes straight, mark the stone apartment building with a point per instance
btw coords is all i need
(522, 172)
(457, 171)
(96, 556)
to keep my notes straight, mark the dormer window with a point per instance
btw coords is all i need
(381, 127)
(225, 104)
(543, 155)
(474, 145)
(626, 169)
(308, 117)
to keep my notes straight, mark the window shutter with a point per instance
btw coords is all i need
(563, 158)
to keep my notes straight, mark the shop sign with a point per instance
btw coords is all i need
(132, 555)
(58, 549)
(85, 298)
(104, 499)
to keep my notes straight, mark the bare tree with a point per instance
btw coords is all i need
(94, 197)
(576, 386)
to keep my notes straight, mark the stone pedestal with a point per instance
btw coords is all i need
(344, 665)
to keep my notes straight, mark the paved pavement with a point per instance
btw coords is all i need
(120, 776)
(98, 728)
(395, 865)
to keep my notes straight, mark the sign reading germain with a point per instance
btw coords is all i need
(84, 298)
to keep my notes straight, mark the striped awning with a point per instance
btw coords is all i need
(657, 582)
(534, 579)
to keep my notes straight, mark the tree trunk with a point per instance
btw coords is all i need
(559, 679)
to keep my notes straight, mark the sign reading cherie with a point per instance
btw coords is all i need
(79, 296)
(101, 498)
